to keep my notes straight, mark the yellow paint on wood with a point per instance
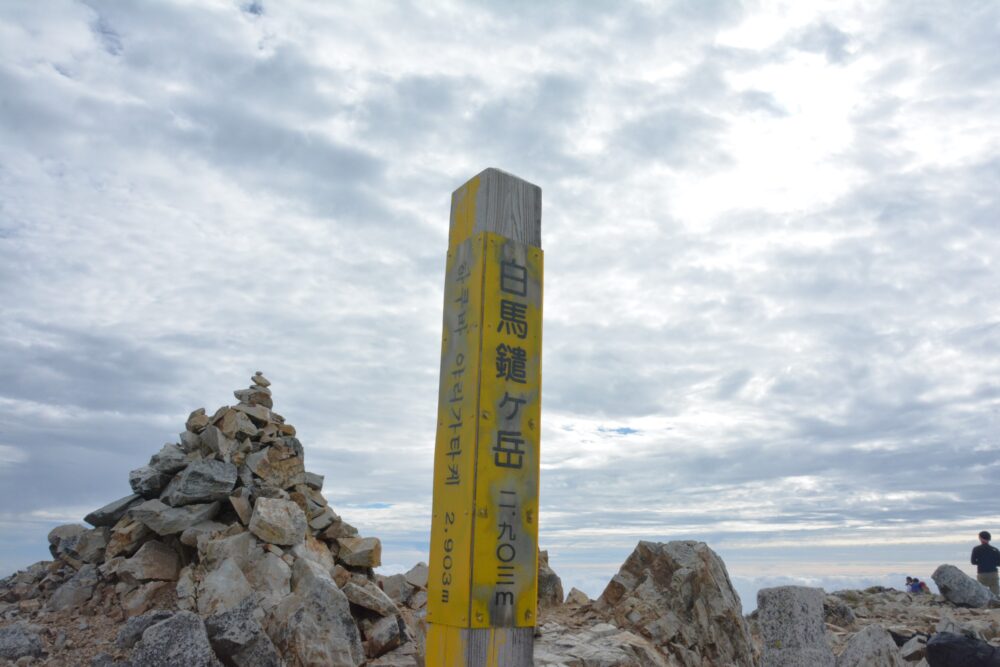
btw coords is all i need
(463, 215)
(455, 446)
(505, 542)
(484, 529)
(445, 646)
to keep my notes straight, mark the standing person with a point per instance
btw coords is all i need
(986, 558)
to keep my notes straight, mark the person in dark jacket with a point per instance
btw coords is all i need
(986, 558)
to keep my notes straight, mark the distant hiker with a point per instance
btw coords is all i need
(986, 558)
(912, 585)
(924, 588)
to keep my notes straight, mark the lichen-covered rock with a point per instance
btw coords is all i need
(961, 589)
(679, 596)
(871, 647)
(19, 640)
(239, 640)
(178, 640)
(791, 626)
(132, 631)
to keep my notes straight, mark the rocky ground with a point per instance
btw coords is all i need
(228, 554)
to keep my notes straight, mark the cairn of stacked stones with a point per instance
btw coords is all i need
(226, 553)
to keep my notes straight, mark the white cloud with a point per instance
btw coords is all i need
(771, 304)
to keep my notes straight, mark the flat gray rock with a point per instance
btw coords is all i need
(314, 626)
(202, 481)
(112, 512)
(163, 519)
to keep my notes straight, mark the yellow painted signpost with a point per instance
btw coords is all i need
(483, 581)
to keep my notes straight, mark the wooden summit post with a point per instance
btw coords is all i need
(483, 582)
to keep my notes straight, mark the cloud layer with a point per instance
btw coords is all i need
(772, 318)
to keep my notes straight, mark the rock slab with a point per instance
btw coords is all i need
(792, 628)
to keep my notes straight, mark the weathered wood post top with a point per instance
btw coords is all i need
(483, 582)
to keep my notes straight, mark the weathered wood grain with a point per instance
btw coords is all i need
(498, 202)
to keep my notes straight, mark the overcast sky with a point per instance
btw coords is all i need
(772, 291)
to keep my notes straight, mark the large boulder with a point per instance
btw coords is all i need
(178, 640)
(679, 596)
(871, 647)
(791, 627)
(946, 649)
(239, 640)
(961, 589)
(314, 626)
(202, 481)
(19, 640)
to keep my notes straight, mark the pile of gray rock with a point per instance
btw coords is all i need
(226, 553)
